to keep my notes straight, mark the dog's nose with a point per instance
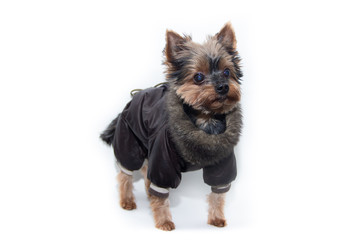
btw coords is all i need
(222, 88)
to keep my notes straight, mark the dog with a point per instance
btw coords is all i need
(191, 122)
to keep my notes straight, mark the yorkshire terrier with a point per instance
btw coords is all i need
(191, 122)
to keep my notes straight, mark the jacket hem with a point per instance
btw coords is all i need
(221, 189)
(158, 191)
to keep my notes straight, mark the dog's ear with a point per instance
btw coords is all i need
(226, 36)
(174, 44)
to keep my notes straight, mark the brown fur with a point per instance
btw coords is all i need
(173, 40)
(159, 206)
(204, 98)
(127, 199)
(146, 180)
(185, 56)
(227, 36)
(161, 212)
(216, 209)
(183, 60)
(203, 119)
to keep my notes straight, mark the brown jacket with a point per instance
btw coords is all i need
(142, 132)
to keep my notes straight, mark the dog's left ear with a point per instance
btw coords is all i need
(226, 36)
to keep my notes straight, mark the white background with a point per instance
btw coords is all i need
(66, 69)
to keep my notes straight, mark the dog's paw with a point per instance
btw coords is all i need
(128, 204)
(166, 226)
(217, 222)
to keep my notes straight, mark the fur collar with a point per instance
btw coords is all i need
(193, 144)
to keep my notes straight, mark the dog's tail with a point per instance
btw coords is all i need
(108, 134)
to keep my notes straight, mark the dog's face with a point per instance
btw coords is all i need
(205, 76)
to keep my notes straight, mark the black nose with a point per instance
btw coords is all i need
(222, 88)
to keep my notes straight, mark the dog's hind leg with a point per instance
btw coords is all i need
(216, 209)
(127, 199)
(146, 180)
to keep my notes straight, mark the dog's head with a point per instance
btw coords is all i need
(205, 76)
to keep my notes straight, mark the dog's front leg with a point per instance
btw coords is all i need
(161, 211)
(216, 209)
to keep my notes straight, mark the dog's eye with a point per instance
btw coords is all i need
(198, 78)
(226, 72)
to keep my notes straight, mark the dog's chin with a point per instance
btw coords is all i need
(219, 105)
(220, 99)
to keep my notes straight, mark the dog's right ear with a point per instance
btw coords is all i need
(226, 36)
(174, 44)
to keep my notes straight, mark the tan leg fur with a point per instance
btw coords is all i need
(216, 209)
(146, 180)
(159, 206)
(127, 199)
(161, 212)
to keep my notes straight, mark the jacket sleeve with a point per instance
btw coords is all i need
(220, 175)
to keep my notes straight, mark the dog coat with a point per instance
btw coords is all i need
(142, 132)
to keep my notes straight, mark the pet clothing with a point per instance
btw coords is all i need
(143, 132)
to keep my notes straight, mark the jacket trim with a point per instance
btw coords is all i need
(193, 144)
(158, 191)
(221, 189)
(124, 170)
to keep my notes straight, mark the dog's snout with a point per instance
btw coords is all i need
(222, 88)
